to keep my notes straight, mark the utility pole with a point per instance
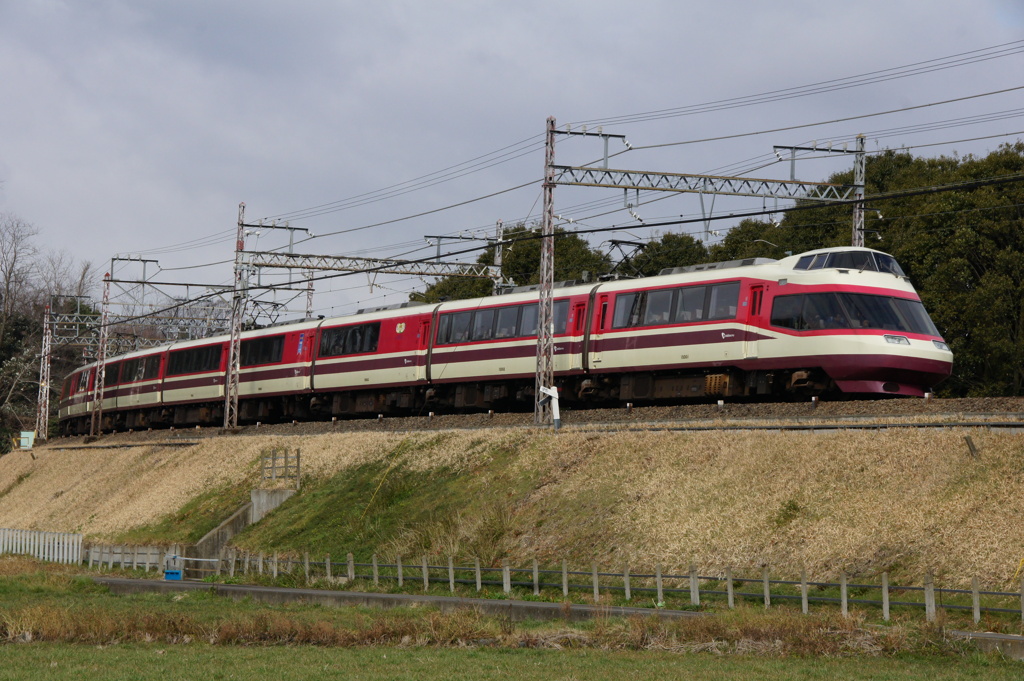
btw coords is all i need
(96, 425)
(43, 402)
(859, 163)
(545, 311)
(238, 299)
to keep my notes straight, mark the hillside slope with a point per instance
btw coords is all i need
(855, 501)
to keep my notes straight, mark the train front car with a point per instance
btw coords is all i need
(851, 316)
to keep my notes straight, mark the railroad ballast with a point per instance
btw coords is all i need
(841, 320)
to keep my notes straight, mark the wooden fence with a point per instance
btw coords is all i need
(55, 547)
(657, 586)
(282, 463)
(126, 557)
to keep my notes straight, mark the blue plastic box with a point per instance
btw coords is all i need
(174, 575)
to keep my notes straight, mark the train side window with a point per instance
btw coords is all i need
(460, 327)
(268, 350)
(803, 263)
(818, 262)
(690, 304)
(332, 341)
(560, 314)
(483, 325)
(83, 381)
(528, 321)
(194, 361)
(627, 310)
(150, 368)
(111, 374)
(723, 300)
(371, 336)
(66, 389)
(508, 320)
(444, 328)
(786, 312)
(659, 307)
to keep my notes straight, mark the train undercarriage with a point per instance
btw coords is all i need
(578, 392)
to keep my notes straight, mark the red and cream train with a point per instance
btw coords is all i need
(838, 319)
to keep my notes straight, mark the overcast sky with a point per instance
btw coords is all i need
(137, 127)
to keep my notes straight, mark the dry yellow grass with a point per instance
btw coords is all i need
(859, 502)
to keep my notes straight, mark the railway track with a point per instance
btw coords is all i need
(1002, 414)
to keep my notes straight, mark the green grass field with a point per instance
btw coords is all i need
(142, 662)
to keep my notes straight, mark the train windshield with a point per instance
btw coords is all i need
(812, 311)
(863, 261)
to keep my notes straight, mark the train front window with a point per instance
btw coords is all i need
(852, 260)
(887, 263)
(816, 311)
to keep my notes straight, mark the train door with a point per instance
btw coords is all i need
(423, 343)
(754, 321)
(577, 321)
(601, 322)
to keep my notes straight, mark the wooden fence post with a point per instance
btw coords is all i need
(730, 589)
(476, 570)
(767, 587)
(506, 576)
(351, 567)
(232, 556)
(305, 565)
(804, 605)
(565, 578)
(274, 569)
(399, 563)
(376, 571)
(451, 574)
(694, 586)
(657, 581)
(536, 578)
(885, 596)
(259, 564)
(975, 599)
(328, 568)
(426, 574)
(843, 595)
(929, 597)
(625, 581)
(597, 588)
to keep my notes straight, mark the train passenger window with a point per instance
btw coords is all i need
(690, 304)
(787, 312)
(483, 325)
(267, 350)
(347, 340)
(560, 315)
(66, 389)
(823, 311)
(659, 307)
(723, 300)
(508, 320)
(528, 321)
(111, 374)
(818, 262)
(627, 310)
(194, 361)
(460, 327)
(803, 263)
(150, 368)
(444, 328)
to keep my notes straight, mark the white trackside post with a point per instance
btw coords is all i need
(552, 396)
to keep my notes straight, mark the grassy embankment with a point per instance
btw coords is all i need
(859, 502)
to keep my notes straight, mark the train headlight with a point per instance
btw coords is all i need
(940, 345)
(897, 340)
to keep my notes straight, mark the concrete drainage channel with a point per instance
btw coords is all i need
(516, 610)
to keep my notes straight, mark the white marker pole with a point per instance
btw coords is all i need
(552, 394)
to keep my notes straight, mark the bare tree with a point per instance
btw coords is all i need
(17, 264)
